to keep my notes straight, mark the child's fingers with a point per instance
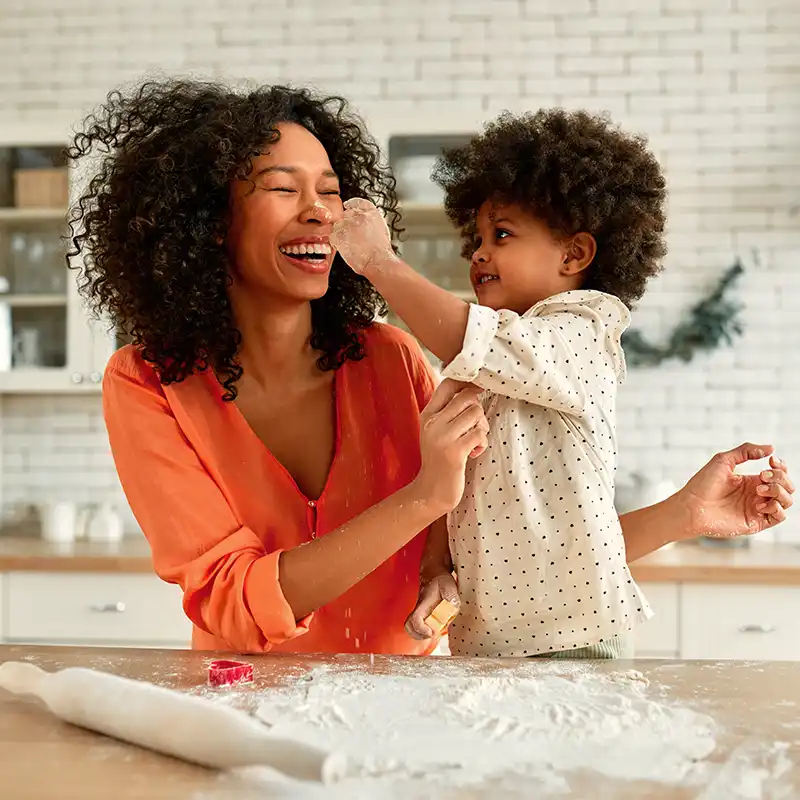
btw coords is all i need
(430, 597)
(777, 463)
(416, 627)
(776, 492)
(778, 476)
(773, 511)
(358, 204)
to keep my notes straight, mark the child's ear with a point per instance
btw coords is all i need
(580, 252)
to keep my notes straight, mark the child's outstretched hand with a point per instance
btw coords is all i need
(362, 236)
(721, 502)
(431, 593)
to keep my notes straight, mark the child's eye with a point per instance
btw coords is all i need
(282, 189)
(501, 233)
(332, 191)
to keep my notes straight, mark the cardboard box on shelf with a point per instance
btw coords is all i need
(41, 188)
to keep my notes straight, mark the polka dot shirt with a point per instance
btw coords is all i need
(536, 541)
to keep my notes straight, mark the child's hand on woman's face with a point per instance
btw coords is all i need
(362, 236)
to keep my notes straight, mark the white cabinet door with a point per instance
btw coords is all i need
(83, 330)
(659, 637)
(740, 622)
(45, 333)
(92, 608)
(104, 344)
(81, 333)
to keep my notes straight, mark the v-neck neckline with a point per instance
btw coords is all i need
(241, 421)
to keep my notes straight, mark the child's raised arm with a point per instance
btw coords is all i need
(436, 317)
(557, 356)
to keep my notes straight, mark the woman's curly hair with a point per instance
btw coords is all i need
(575, 172)
(146, 231)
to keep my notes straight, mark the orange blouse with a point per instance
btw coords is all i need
(218, 509)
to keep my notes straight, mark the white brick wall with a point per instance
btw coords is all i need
(715, 84)
(55, 448)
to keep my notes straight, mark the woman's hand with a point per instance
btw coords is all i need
(431, 593)
(362, 236)
(452, 428)
(723, 503)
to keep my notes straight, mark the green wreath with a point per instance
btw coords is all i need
(711, 322)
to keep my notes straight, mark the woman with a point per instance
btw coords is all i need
(266, 432)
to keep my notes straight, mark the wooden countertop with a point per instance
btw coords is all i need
(753, 705)
(760, 562)
(32, 554)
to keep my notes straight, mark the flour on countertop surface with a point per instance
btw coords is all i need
(446, 728)
(531, 726)
(753, 771)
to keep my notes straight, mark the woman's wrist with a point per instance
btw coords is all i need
(420, 493)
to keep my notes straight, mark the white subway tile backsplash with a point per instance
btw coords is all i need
(751, 19)
(592, 64)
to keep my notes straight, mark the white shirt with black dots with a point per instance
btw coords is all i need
(536, 541)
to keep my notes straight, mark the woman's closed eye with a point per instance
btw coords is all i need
(290, 190)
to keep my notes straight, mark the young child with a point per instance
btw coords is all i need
(562, 217)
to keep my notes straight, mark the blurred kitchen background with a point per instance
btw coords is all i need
(714, 84)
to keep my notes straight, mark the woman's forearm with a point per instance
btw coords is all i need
(650, 528)
(315, 573)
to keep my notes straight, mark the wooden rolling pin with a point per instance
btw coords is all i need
(186, 727)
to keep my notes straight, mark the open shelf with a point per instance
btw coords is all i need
(16, 215)
(34, 300)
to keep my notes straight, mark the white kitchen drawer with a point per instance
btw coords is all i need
(659, 637)
(742, 622)
(94, 608)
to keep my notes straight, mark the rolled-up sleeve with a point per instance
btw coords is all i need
(229, 580)
(547, 356)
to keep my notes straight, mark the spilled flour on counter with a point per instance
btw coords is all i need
(753, 771)
(510, 730)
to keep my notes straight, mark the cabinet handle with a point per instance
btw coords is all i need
(96, 377)
(77, 377)
(108, 608)
(757, 629)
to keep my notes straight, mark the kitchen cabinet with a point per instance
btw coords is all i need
(430, 242)
(78, 608)
(741, 622)
(48, 341)
(659, 637)
(720, 621)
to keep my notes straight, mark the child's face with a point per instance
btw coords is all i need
(519, 261)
